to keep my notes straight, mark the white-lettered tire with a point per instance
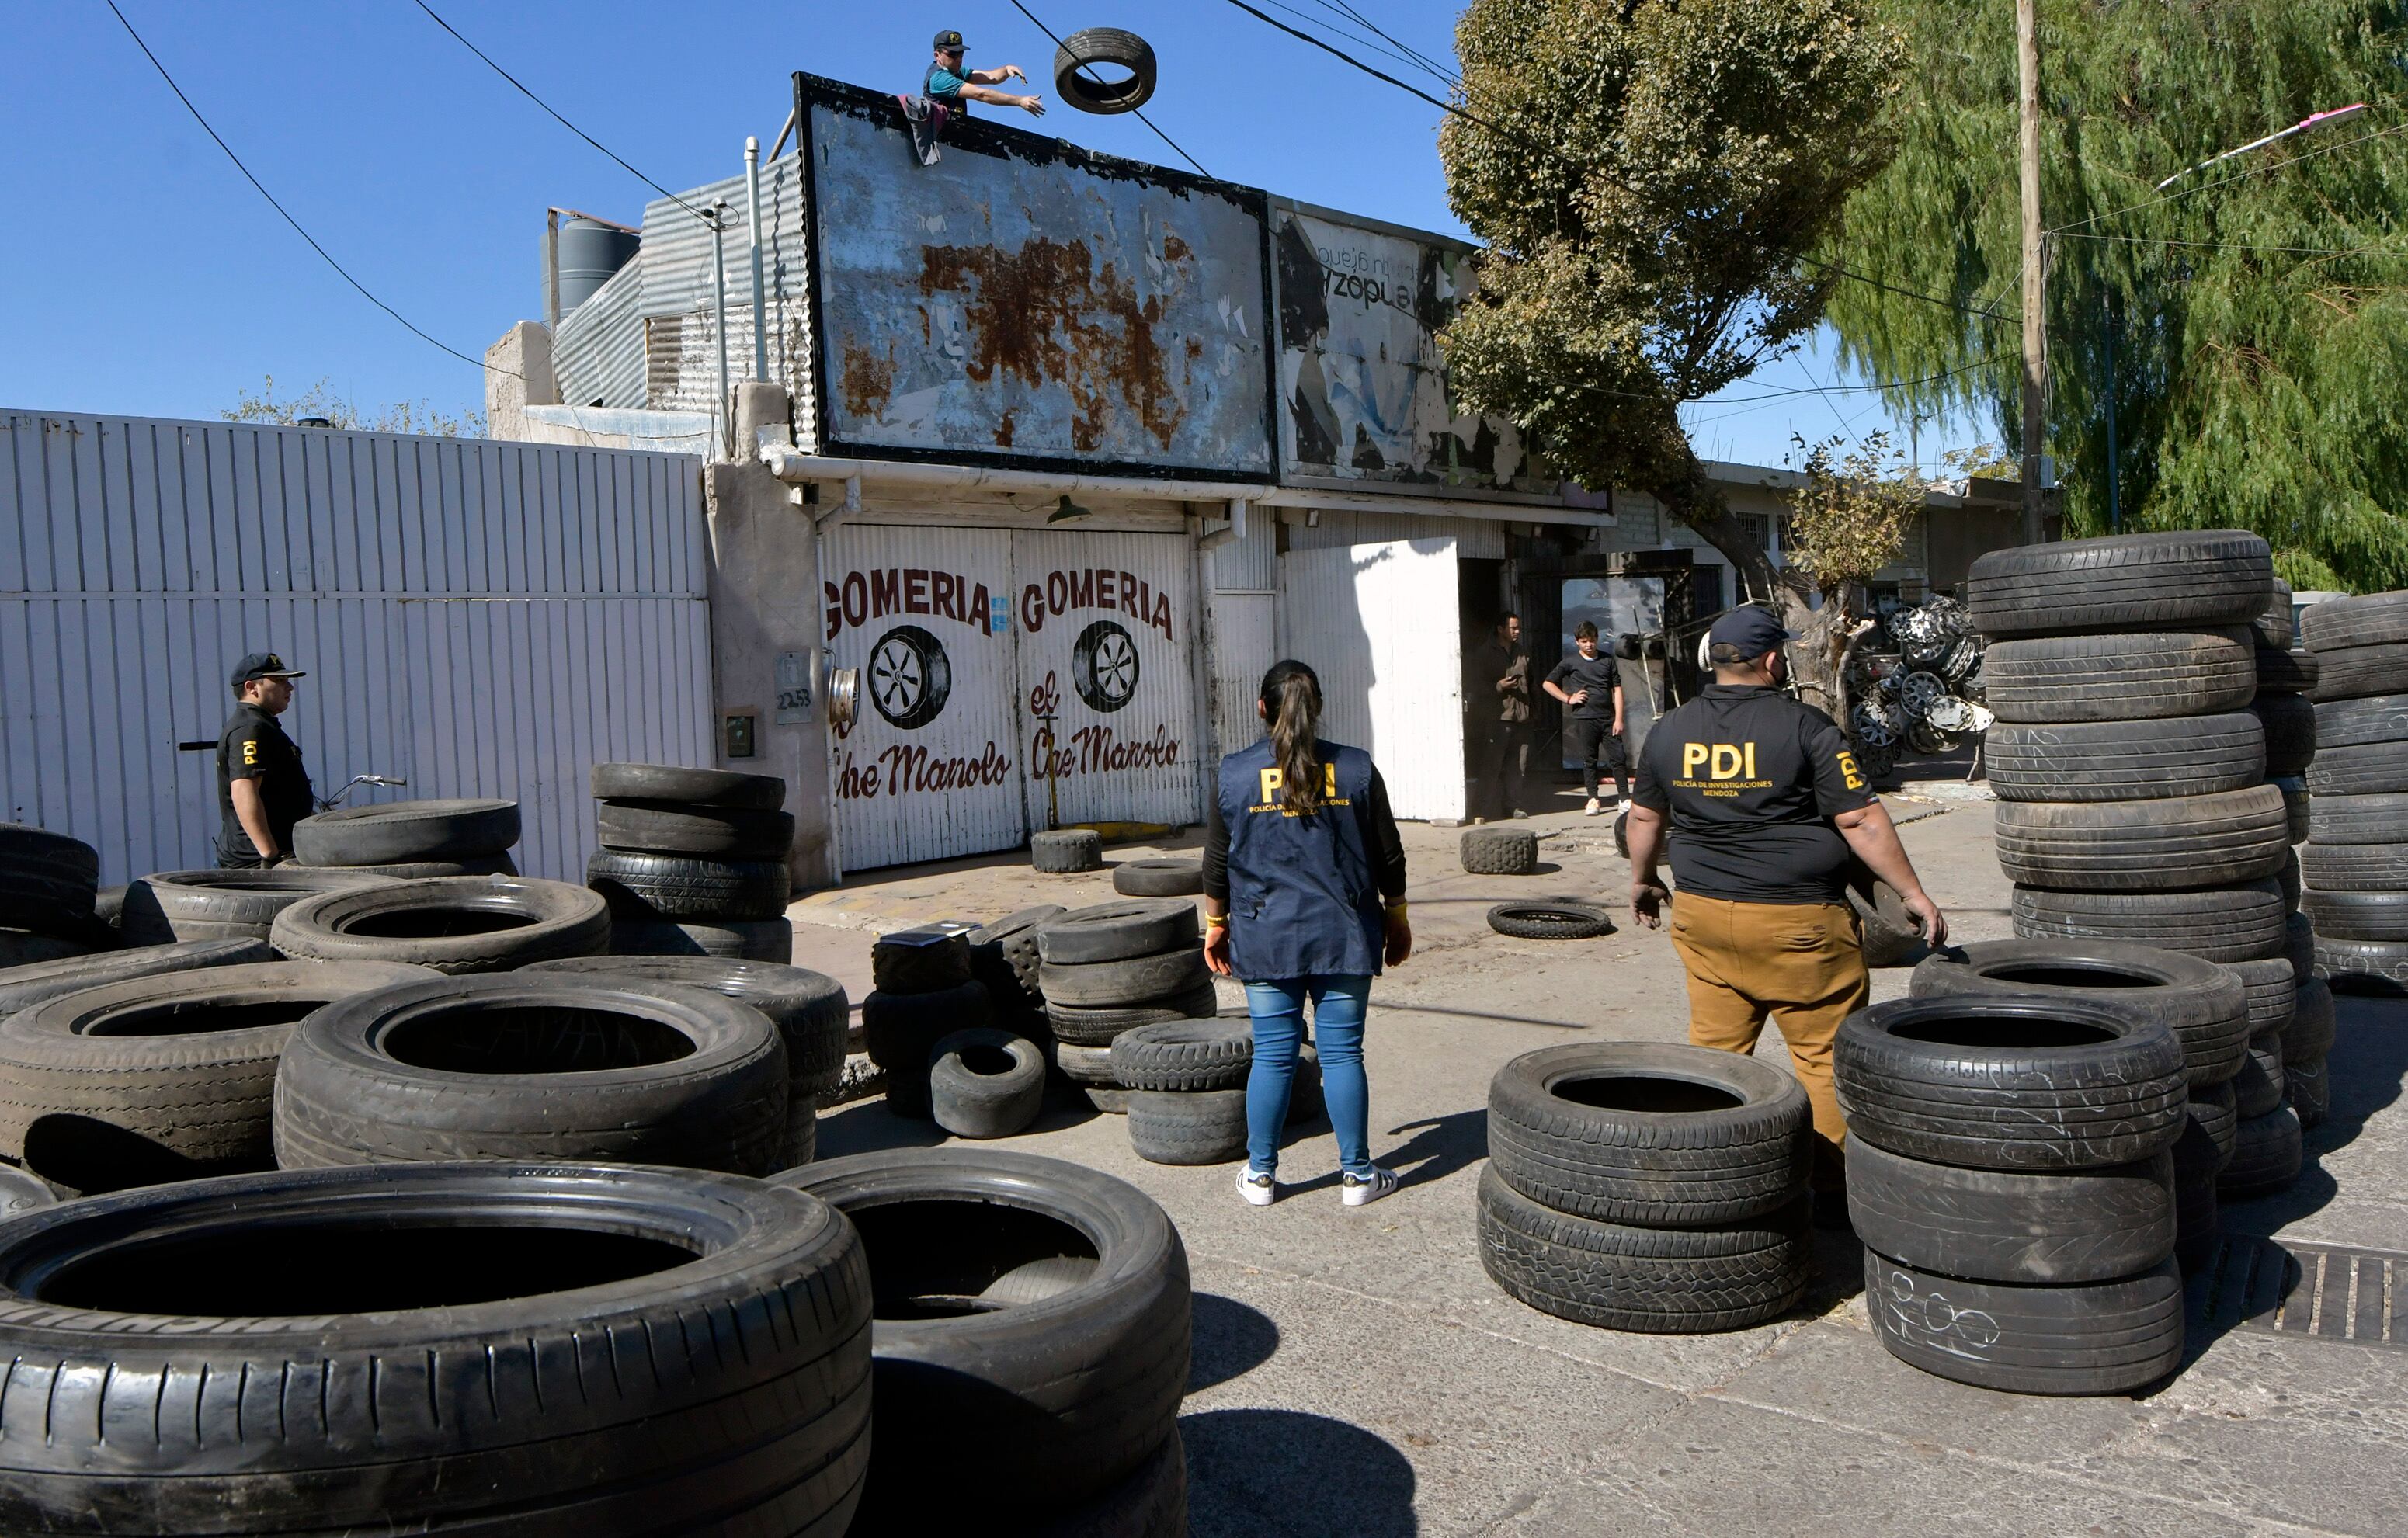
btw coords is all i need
(2102, 1338)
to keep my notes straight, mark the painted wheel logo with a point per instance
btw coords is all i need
(1103, 666)
(909, 676)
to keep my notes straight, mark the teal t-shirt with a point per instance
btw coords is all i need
(943, 84)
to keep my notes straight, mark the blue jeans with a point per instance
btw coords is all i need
(1278, 1011)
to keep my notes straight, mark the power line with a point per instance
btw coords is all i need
(1386, 49)
(2226, 181)
(2234, 245)
(1425, 60)
(1100, 81)
(556, 116)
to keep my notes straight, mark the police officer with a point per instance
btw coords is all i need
(261, 788)
(1773, 812)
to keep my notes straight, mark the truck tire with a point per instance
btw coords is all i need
(1650, 1280)
(1649, 1134)
(455, 828)
(171, 905)
(2126, 760)
(2372, 620)
(427, 1319)
(2357, 673)
(708, 832)
(2102, 1338)
(1089, 1067)
(2206, 1006)
(2042, 1229)
(2010, 1081)
(2267, 1156)
(2185, 841)
(2142, 581)
(2364, 966)
(1139, 979)
(461, 924)
(22, 987)
(1003, 955)
(693, 787)
(2284, 671)
(2239, 923)
(1499, 851)
(1115, 932)
(545, 1068)
(2290, 722)
(771, 941)
(675, 887)
(919, 960)
(1184, 1055)
(2368, 769)
(1037, 1406)
(2060, 679)
(1066, 851)
(1187, 1127)
(985, 1083)
(1159, 878)
(169, 1075)
(47, 881)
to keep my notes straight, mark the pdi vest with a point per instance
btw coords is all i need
(1302, 898)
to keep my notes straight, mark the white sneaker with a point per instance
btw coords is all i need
(1357, 1193)
(1258, 1188)
(1623, 810)
(1592, 808)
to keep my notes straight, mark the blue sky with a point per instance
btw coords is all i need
(143, 276)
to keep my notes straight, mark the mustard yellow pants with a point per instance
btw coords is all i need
(1801, 964)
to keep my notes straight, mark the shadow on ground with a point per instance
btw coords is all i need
(1259, 1474)
(1231, 1339)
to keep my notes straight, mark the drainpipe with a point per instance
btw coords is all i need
(753, 238)
(719, 283)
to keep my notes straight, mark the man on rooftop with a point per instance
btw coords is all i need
(949, 84)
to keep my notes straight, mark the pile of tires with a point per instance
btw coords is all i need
(1186, 1089)
(2356, 861)
(452, 923)
(1111, 968)
(1033, 1321)
(493, 1347)
(1644, 1186)
(413, 840)
(693, 862)
(47, 885)
(2011, 1172)
(922, 994)
(2207, 1008)
(808, 1011)
(168, 907)
(1004, 959)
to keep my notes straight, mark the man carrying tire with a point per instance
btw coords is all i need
(263, 789)
(1772, 814)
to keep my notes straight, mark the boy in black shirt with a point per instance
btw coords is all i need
(1590, 686)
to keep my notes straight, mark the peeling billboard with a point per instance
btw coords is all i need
(1363, 391)
(1028, 302)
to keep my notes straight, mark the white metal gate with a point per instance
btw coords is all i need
(1378, 624)
(484, 619)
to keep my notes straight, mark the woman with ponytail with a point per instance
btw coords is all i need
(1304, 899)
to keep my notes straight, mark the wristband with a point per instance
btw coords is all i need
(1213, 922)
(1397, 907)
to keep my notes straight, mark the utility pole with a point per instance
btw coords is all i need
(2035, 333)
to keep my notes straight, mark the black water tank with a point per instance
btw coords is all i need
(590, 253)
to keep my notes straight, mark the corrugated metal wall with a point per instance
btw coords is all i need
(598, 356)
(1377, 623)
(486, 618)
(1245, 628)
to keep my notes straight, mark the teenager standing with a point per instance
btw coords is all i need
(1589, 683)
(1304, 899)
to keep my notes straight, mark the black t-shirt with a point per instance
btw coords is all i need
(1751, 780)
(252, 747)
(1599, 674)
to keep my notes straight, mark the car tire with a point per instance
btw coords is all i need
(985, 1083)
(2042, 1229)
(2311, 1032)
(1037, 1406)
(2214, 1112)
(2140, 581)
(393, 831)
(2362, 723)
(222, 904)
(2258, 1088)
(1080, 86)
(2270, 993)
(2363, 769)
(1139, 979)
(676, 889)
(1649, 1134)
(770, 941)
(2267, 1156)
(2102, 1338)
(1550, 920)
(2370, 620)
(1117, 931)
(2355, 867)
(2205, 1005)
(425, 870)
(2282, 670)
(23, 987)
(2309, 1087)
(708, 832)
(2299, 944)
(1066, 851)
(2357, 819)
(1187, 1127)
(1184, 1055)
(397, 1348)
(2237, 923)
(694, 786)
(2061, 680)
(463, 924)
(1150, 1502)
(2126, 760)
(2364, 966)
(2358, 915)
(2357, 673)
(919, 960)
(2295, 807)
(1650, 1280)
(1499, 851)
(47, 881)
(2010, 1081)
(2289, 724)
(1159, 878)
(2188, 841)
(2196, 1223)
(543, 1068)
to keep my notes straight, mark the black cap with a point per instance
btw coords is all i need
(1750, 629)
(949, 39)
(264, 665)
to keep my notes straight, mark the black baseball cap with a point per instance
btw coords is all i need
(1751, 629)
(264, 665)
(949, 40)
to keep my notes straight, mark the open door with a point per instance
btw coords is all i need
(1378, 623)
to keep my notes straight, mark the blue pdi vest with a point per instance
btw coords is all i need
(1302, 898)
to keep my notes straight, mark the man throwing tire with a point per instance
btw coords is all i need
(1772, 813)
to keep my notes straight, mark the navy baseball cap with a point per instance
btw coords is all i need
(949, 40)
(264, 665)
(1751, 629)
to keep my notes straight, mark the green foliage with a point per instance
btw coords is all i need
(2255, 386)
(1850, 518)
(321, 401)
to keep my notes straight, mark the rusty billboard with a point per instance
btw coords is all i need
(1363, 391)
(1029, 303)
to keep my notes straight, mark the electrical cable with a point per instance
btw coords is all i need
(2235, 245)
(1409, 62)
(1100, 81)
(1425, 59)
(2226, 181)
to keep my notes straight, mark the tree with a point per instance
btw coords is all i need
(1648, 178)
(1846, 523)
(2249, 326)
(321, 402)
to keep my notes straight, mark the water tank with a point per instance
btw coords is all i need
(590, 253)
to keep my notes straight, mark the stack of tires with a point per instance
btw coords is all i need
(1186, 1087)
(47, 885)
(1115, 967)
(2010, 1173)
(452, 923)
(2356, 862)
(922, 993)
(1642, 1187)
(693, 862)
(412, 839)
(1004, 959)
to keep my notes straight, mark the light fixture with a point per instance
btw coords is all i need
(1067, 510)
